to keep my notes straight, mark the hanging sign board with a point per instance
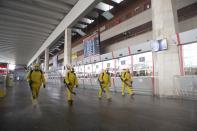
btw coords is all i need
(91, 46)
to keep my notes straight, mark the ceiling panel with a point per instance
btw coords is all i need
(26, 24)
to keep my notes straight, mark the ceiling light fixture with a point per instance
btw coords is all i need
(117, 1)
(79, 31)
(103, 6)
(51, 53)
(107, 14)
(87, 20)
(57, 49)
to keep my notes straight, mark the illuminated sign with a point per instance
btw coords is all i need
(3, 65)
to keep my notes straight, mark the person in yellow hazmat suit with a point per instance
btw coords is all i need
(105, 82)
(35, 78)
(70, 81)
(127, 81)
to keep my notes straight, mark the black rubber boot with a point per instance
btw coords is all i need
(70, 102)
(34, 97)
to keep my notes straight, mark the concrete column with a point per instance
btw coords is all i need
(38, 60)
(166, 63)
(67, 47)
(46, 59)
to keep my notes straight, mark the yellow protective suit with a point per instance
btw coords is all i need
(127, 78)
(71, 80)
(37, 79)
(105, 81)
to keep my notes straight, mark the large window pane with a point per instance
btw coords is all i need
(110, 64)
(97, 68)
(142, 64)
(81, 71)
(88, 70)
(190, 59)
(123, 63)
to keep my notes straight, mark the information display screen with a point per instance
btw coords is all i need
(91, 45)
(159, 45)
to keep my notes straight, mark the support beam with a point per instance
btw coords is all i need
(78, 11)
(67, 47)
(46, 60)
(38, 60)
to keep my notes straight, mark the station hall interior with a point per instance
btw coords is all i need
(98, 65)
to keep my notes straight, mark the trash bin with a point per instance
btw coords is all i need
(9, 81)
(2, 86)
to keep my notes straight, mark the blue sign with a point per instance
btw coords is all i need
(91, 46)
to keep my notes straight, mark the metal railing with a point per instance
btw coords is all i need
(186, 86)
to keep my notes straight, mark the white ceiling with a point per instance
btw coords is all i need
(26, 24)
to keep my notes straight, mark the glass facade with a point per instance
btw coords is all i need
(190, 59)
(143, 64)
(140, 65)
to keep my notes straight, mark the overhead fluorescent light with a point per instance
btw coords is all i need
(51, 53)
(87, 20)
(117, 1)
(79, 31)
(73, 33)
(81, 26)
(103, 6)
(57, 49)
(108, 15)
